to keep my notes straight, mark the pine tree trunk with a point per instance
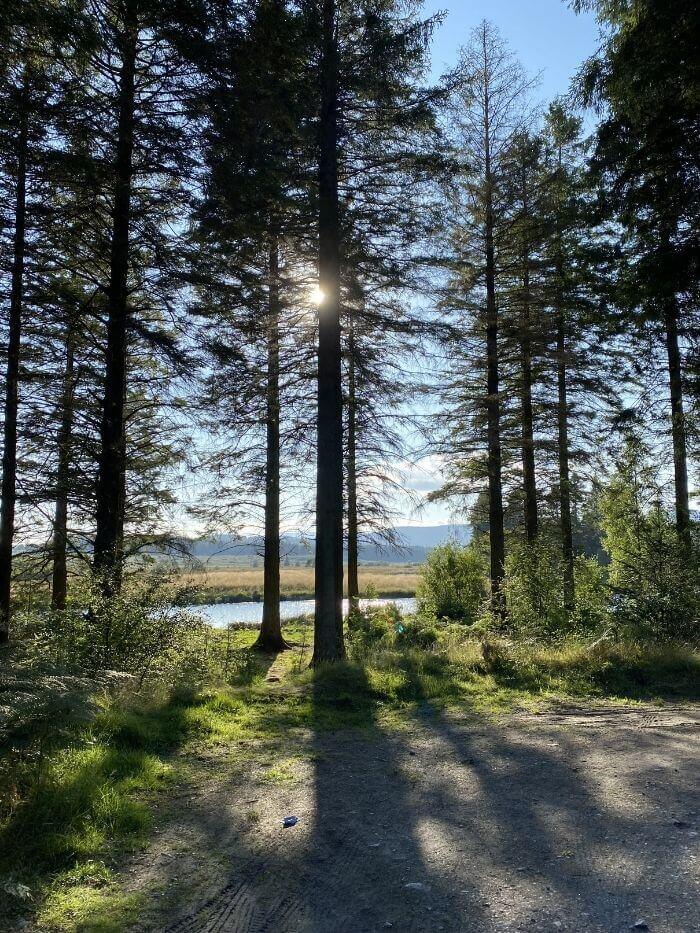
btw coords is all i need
(8, 492)
(108, 554)
(567, 543)
(59, 578)
(678, 431)
(353, 579)
(328, 620)
(270, 637)
(526, 417)
(527, 432)
(493, 405)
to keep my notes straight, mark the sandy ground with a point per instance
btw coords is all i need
(583, 820)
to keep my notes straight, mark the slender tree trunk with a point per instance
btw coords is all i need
(59, 579)
(108, 555)
(567, 543)
(567, 540)
(270, 637)
(526, 417)
(493, 405)
(8, 492)
(527, 433)
(678, 431)
(353, 581)
(328, 620)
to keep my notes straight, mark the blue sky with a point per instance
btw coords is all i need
(545, 35)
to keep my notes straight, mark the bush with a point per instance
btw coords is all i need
(592, 594)
(453, 584)
(533, 590)
(653, 574)
(417, 632)
(368, 627)
(138, 631)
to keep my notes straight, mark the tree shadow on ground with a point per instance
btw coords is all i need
(447, 821)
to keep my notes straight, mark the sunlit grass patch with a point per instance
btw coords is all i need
(85, 797)
(83, 908)
(282, 772)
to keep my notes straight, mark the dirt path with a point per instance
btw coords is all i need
(574, 820)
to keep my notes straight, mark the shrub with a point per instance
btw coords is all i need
(417, 632)
(653, 574)
(453, 584)
(367, 627)
(592, 607)
(138, 631)
(533, 590)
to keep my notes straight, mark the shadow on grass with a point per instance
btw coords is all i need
(624, 672)
(441, 822)
(87, 796)
(423, 821)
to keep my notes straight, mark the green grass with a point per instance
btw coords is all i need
(69, 823)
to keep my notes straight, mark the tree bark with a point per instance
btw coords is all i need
(353, 577)
(493, 407)
(59, 578)
(567, 544)
(8, 491)
(678, 430)
(270, 637)
(328, 619)
(526, 416)
(108, 553)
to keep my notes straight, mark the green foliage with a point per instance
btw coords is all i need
(453, 584)
(417, 632)
(592, 596)
(137, 631)
(534, 591)
(369, 626)
(653, 574)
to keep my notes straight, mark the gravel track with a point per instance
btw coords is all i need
(573, 819)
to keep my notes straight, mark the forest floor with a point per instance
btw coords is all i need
(519, 808)
(573, 819)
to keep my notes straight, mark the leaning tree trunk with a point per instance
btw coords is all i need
(328, 619)
(526, 416)
(270, 637)
(567, 543)
(493, 404)
(108, 553)
(353, 578)
(59, 577)
(8, 492)
(678, 430)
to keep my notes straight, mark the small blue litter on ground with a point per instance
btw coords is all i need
(290, 821)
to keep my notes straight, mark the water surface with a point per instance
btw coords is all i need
(250, 614)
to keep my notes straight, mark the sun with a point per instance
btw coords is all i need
(317, 295)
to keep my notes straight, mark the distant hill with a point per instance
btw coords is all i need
(416, 542)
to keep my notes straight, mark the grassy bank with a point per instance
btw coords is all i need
(241, 584)
(74, 812)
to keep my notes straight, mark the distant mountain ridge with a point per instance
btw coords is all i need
(416, 542)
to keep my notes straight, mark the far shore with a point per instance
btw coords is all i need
(245, 584)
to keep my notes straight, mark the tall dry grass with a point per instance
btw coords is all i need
(232, 584)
